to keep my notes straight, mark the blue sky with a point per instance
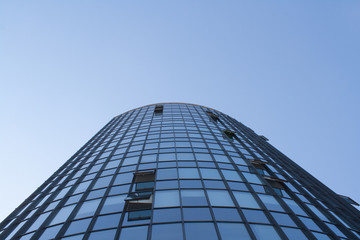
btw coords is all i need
(287, 69)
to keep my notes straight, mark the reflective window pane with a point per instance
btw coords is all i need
(167, 231)
(265, 232)
(233, 231)
(196, 231)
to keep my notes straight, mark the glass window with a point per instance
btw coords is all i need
(130, 161)
(148, 158)
(163, 174)
(113, 204)
(255, 216)
(318, 213)
(295, 207)
(190, 184)
(188, 173)
(294, 233)
(310, 224)
(102, 182)
(208, 173)
(283, 219)
(214, 184)
(50, 232)
(38, 222)
(264, 232)
(119, 189)
(96, 194)
(88, 208)
(167, 198)
(167, 215)
(238, 186)
(123, 178)
(196, 231)
(193, 198)
(221, 158)
(220, 198)
(231, 175)
(76, 237)
(107, 221)
(185, 156)
(270, 202)
(197, 214)
(138, 233)
(320, 236)
(335, 229)
(82, 187)
(252, 178)
(62, 215)
(226, 214)
(167, 184)
(78, 226)
(167, 157)
(233, 231)
(167, 231)
(203, 156)
(107, 234)
(246, 200)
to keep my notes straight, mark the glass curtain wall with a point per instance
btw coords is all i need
(181, 171)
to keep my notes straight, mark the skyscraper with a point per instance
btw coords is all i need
(181, 171)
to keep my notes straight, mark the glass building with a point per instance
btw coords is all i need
(181, 171)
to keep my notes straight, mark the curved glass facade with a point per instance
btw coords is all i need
(181, 171)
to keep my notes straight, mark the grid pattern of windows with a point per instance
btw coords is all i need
(184, 171)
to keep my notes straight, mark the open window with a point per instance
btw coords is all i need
(144, 180)
(259, 166)
(139, 202)
(139, 205)
(264, 138)
(158, 109)
(212, 116)
(276, 184)
(229, 134)
(349, 200)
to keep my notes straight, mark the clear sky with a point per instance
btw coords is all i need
(287, 69)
